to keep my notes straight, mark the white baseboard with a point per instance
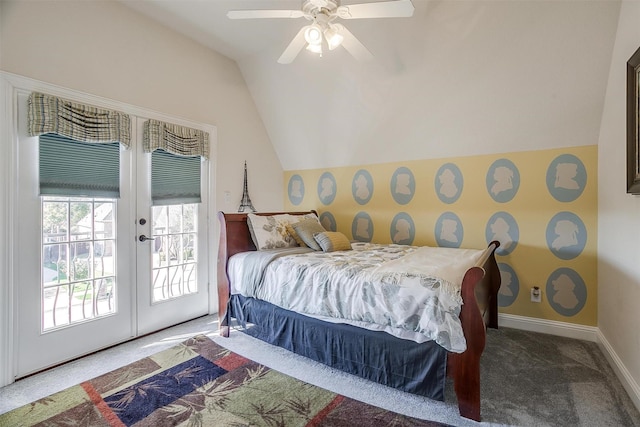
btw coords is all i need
(552, 327)
(588, 333)
(628, 382)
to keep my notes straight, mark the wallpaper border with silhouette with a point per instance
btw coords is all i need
(541, 205)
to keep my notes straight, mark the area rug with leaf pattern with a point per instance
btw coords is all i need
(200, 383)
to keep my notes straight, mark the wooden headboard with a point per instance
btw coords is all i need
(234, 238)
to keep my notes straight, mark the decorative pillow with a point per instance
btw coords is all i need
(331, 241)
(298, 218)
(305, 230)
(293, 234)
(270, 231)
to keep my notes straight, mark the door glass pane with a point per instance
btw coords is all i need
(78, 260)
(174, 253)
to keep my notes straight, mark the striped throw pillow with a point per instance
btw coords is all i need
(331, 241)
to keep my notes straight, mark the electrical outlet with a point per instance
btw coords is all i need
(536, 294)
(227, 197)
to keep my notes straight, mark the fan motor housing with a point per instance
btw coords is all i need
(324, 7)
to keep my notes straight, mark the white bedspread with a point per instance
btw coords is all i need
(410, 292)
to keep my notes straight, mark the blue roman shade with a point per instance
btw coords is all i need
(176, 160)
(74, 168)
(174, 179)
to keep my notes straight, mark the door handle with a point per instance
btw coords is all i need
(144, 238)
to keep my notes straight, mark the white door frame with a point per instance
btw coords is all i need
(10, 86)
(7, 199)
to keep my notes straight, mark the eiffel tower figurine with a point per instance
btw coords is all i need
(246, 200)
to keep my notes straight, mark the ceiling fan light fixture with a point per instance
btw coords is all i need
(313, 34)
(321, 28)
(333, 36)
(315, 48)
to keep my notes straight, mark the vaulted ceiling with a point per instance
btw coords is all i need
(458, 78)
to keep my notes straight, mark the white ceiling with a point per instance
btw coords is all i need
(206, 22)
(458, 78)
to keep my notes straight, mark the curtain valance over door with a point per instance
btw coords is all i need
(176, 158)
(175, 139)
(80, 122)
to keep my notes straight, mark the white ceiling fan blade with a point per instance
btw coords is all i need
(294, 48)
(252, 14)
(353, 46)
(385, 9)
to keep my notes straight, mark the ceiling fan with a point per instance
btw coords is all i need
(322, 14)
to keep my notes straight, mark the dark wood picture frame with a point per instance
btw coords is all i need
(633, 123)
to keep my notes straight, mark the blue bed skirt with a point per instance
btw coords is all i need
(373, 355)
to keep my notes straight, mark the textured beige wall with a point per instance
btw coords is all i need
(461, 78)
(104, 48)
(618, 212)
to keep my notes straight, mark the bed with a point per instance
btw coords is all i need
(419, 368)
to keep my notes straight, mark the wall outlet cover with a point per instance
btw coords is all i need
(536, 295)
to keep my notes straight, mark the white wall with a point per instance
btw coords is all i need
(105, 48)
(619, 213)
(460, 78)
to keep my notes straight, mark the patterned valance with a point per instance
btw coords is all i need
(174, 139)
(80, 122)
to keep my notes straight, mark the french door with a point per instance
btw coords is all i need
(171, 253)
(93, 272)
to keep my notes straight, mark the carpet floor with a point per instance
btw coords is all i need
(528, 379)
(200, 383)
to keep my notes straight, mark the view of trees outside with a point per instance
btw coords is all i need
(174, 254)
(78, 259)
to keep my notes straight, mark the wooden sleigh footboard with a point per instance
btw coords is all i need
(480, 288)
(479, 310)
